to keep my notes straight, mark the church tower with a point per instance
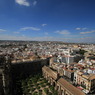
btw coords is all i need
(5, 75)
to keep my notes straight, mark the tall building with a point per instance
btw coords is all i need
(5, 77)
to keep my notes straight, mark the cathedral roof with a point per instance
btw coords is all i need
(69, 87)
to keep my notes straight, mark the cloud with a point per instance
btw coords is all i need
(46, 33)
(34, 3)
(48, 38)
(84, 28)
(23, 35)
(85, 37)
(64, 32)
(22, 2)
(11, 37)
(80, 28)
(29, 28)
(25, 38)
(44, 25)
(16, 32)
(2, 30)
(87, 32)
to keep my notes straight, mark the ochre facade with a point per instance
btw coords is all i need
(61, 85)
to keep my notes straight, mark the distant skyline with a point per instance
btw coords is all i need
(48, 20)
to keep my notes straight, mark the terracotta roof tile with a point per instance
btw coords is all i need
(73, 90)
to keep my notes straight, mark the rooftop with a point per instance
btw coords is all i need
(52, 73)
(70, 87)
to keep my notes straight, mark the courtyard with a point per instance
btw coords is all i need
(37, 85)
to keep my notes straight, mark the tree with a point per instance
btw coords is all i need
(55, 93)
(82, 51)
(46, 90)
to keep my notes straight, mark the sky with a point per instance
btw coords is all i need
(48, 20)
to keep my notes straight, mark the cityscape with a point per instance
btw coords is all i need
(47, 68)
(47, 47)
